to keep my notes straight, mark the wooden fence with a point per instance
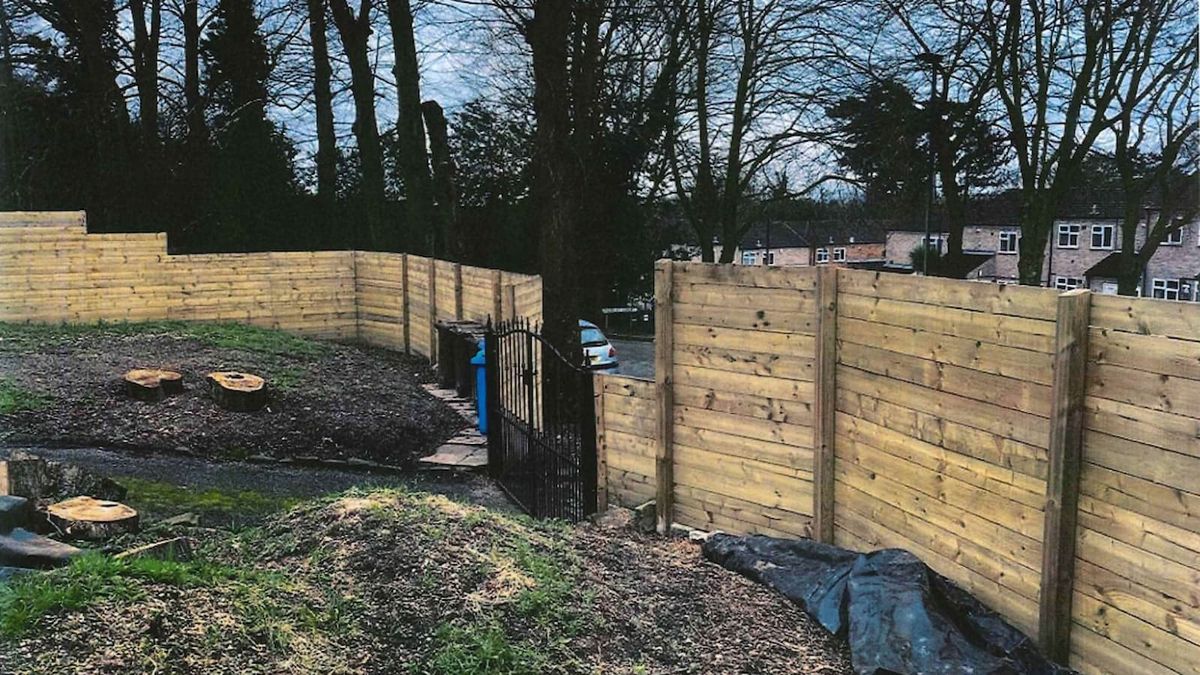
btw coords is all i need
(1041, 450)
(52, 270)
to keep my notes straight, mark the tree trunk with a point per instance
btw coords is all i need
(410, 132)
(8, 188)
(196, 127)
(1036, 223)
(91, 519)
(145, 66)
(445, 189)
(554, 166)
(152, 385)
(239, 392)
(323, 97)
(355, 33)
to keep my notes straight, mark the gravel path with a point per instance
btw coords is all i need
(279, 480)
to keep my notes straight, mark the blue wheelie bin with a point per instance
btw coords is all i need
(479, 361)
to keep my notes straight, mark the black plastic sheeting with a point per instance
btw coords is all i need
(898, 615)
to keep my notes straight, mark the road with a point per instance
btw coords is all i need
(636, 358)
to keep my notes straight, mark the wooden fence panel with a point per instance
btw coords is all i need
(52, 270)
(938, 382)
(626, 430)
(1136, 607)
(948, 397)
(742, 382)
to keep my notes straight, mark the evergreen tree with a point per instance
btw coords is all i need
(251, 183)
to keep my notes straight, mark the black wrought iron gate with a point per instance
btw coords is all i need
(541, 423)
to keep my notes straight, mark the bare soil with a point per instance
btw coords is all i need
(326, 400)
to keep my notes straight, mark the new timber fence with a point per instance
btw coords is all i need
(52, 270)
(1040, 449)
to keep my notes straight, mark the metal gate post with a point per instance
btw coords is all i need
(491, 360)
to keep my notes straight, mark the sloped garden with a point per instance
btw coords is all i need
(389, 580)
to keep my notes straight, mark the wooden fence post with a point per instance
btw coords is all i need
(664, 346)
(601, 445)
(433, 311)
(511, 292)
(825, 403)
(1062, 482)
(405, 290)
(458, 292)
(497, 297)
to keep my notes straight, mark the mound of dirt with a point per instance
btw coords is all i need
(390, 581)
(326, 400)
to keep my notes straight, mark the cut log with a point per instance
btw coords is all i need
(148, 384)
(87, 518)
(240, 392)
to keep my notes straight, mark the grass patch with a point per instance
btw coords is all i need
(90, 578)
(14, 398)
(223, 335)
(482, 648)
(165, 499)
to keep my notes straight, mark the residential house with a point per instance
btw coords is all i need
(1081, 253)
(804, 243)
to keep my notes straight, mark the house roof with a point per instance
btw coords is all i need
(807, 233)
(1108, 267)
(1003, 209)
(959, 267)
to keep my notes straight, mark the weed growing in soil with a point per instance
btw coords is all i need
(164, 499)
(14, 398)
(482, 648)
(92, 577)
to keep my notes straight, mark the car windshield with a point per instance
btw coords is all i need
(591, 336)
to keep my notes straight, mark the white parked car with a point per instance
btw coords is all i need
(597, 351)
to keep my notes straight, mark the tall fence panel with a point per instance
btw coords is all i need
(1136, 605)
(1040, 449)
(942, 423)
(742, 386)
(53, 270)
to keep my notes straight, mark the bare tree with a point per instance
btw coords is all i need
(410, 131)
(556, 183)
(744, 103)
(355, 32)
(323, 104)
(1058, 68)
(1156, 108)
(146, 37)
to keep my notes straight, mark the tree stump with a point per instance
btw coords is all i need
(239, 392)
(148, 384)
(93, 519)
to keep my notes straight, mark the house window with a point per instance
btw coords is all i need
(1103, 236)
(1174, 237)
(839, 255)
(1165, 289)
(1008, 242)
(770, 258)
(1068, 283)
(1068, 235)
(822, 256)
(748, 258)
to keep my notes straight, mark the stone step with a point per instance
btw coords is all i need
(14, 512)
(22, 548)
